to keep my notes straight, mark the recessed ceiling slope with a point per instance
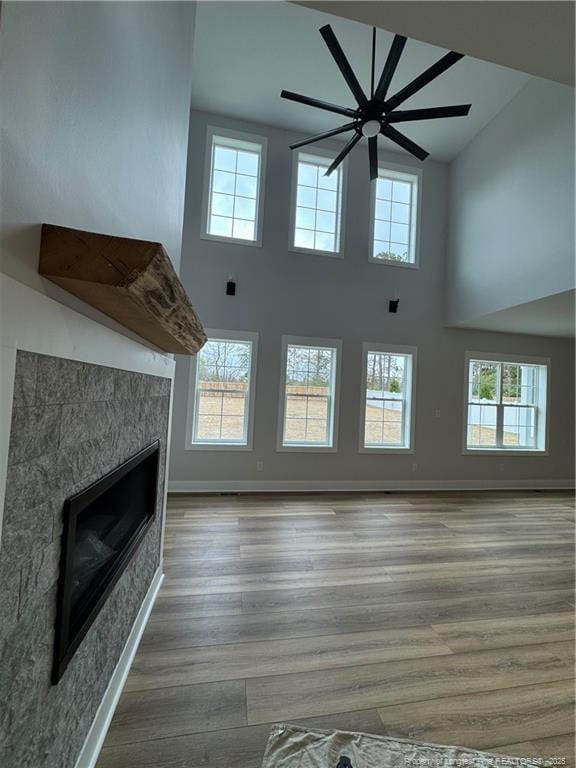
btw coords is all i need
(534, 36)
(244, 53)
(550, 316)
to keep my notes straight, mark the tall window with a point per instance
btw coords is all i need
(232, 208)
(394, 217)
(506, 408)
(310, 394)
(222, 391)
(387, 387)
(318, 205)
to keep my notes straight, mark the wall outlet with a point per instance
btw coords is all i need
(437, 413)
(501, 467)
(414, 466)
(259, 466)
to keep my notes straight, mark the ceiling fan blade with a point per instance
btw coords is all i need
(318, 104)
(426, 77)
(338, 159)
(326, 135)
(431, 113)
(390, 67)
(373, 67)
(343, 65)
(404, 142)
(373, 157)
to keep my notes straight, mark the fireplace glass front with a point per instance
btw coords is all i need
(103, 525)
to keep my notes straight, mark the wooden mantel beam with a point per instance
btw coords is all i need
(131, 281)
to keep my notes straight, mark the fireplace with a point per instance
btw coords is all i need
(103, 526)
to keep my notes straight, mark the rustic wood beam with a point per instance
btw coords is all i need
(131, 281)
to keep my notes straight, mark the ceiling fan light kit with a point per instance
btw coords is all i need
(374, 116)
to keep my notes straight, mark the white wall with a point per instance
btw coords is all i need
(512, 207)
(95, 100)
(280, 292)
(534, 36)
(95, 106)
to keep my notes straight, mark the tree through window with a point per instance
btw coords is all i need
(309, 394)
(387, 398)
(222, 392)
(506, 405)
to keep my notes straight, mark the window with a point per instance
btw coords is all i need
(317, 213)
(388, 382)
(232, 205)
(506, 403)
(221, 406)
(308, 407)
(395, 196)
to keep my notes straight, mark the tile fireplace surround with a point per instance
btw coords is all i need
(72, 422)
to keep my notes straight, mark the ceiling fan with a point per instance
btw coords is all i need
(375, 116)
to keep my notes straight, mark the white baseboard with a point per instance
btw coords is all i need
(99, 728)
(287, 486)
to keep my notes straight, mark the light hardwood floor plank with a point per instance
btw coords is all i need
(449, 612)
(155, 669)
(552, 752)
(507, 632)
(190, 580)
(219, 604)
(377, 685)
(483, 720)
(180, 632)
(273, 601)
(176, 711)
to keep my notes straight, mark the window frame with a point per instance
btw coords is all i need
(215, 132)
(410, 414)
(542, 435)
(399, 170)
(320, 152)
(220, 335)
(306, 341)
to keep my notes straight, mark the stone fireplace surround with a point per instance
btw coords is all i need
(71, 423)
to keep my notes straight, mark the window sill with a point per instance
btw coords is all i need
(216, 447)
(307, 449)
(504, 452)
(384, 449)
(317, 252)
(391, 263)
(232, 240)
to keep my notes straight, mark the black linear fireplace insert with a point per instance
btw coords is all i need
(103, 526)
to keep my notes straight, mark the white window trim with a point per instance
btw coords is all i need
(320, 152)
(212, 131)
(217, 335)
(498, 357)
(397, 169)
(306, 341)
(410, 425)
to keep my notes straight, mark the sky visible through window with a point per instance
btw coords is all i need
(393, 210)
(317, 206)
(233, 191)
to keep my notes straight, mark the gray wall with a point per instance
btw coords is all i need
(280, 292)
(95, 100)
(71, 424)
(512, 206)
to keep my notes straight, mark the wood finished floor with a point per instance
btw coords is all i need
(439, 617)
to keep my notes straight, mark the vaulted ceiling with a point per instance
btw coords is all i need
(246, 52)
